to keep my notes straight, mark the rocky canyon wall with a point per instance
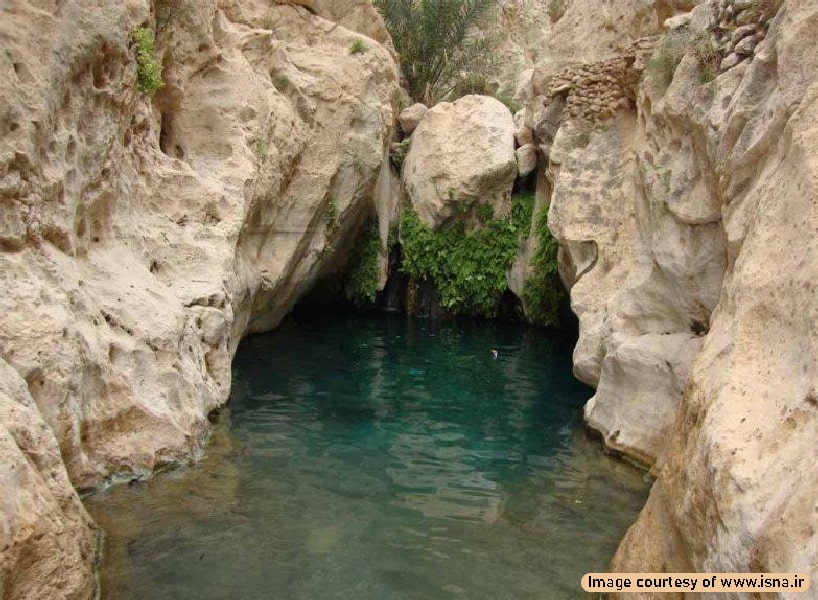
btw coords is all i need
(141, 237)
(681, 172)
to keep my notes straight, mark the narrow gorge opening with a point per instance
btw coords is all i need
(379, 456)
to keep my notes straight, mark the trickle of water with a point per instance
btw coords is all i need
(381, 458)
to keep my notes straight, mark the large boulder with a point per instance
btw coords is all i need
(462, 153)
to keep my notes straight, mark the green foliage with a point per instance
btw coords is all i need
(543, 291)
(363, 268)
(667, 55)
(513, 105)
(485, 213)
(261, 149)
(399, 101)
(472, 83)
(330, 218)
(522, 209)
(437, 43)
(708, 57)
(671, 48)
(398, 152)
(360, 164)
(468, 269)
(148, 69)
(358, 47)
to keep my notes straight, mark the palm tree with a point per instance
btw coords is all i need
(438, 43)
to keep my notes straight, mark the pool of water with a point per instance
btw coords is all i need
(379, 458)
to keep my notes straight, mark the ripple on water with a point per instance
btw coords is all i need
(381, 458)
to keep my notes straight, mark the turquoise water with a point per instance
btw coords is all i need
(379, 458)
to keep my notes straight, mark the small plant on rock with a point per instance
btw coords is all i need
(707, 54)
(330, 218)
(398, 152)
(513, 105)
(261, 150)
(358, 47)
(543, 291)
(148, 69)
(667, 55)
(363, 268)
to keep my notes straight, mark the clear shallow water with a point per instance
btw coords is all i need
(381, 458)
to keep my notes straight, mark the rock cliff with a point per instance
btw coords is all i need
(681, 173)
(141, 237)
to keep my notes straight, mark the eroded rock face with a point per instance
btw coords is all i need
(686, 234)
(43, 524)
(640, 243)
(462, 152)
(141, 238)
(737, 489)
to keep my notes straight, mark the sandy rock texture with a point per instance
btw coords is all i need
(461, 152)
(643, 279)
(684, 212)
(737, 489)
(141, 238)
(43, 524)
(411, 116)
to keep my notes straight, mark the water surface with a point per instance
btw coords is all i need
(379, 458)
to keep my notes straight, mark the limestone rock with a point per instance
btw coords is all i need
(730, 61)
(48, 541)
(640, 386)
(677, 21)
(461, 152)
(746, 47)
(526, 159)
(642, 253)
(355, 15)
(141, 238)
(523, 135)
(737, 487)
(411, 117)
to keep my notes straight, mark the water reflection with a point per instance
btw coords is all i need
(381, 458)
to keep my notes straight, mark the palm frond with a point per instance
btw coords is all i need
(436, 42)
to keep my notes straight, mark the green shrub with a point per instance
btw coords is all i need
(472, 83)
(667, 55)
(358, 47)
(708, 57)
(437, 43)
(513, 105)
(543, 292)
(148, 69)
(398, 152)
(468, 269)
(363, 268)
(330, 218)
(671, 48)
